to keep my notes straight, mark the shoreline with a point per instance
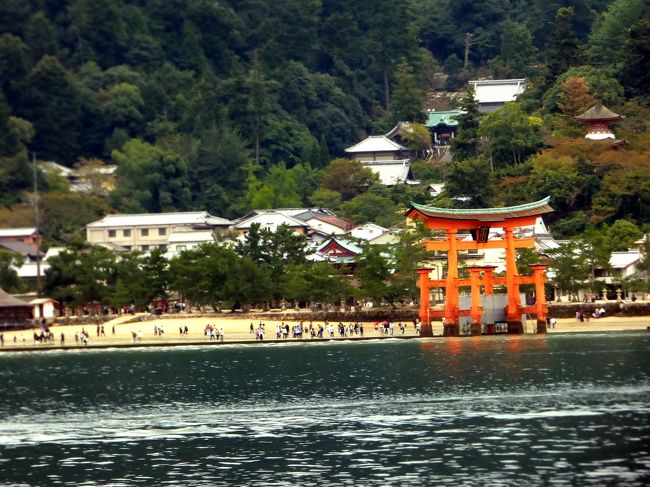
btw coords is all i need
(237, 332)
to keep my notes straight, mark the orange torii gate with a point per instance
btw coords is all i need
(479, 222)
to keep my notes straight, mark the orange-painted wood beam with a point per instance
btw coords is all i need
(443, 245)
(436, 223)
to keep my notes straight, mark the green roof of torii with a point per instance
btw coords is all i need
(485, 214)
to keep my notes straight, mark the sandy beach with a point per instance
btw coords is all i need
(118, 333)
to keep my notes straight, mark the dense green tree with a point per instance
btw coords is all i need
(326, 198)
(408, 98)
(609, 33)
(391, 40)
(517, 51)
(622, 235)
(273, 248)
(571, 266)
(471, 180)
(80, 277)
(41, 36)
(15, 173)
(564, 47)
(347, 177)
(98, 30)
(636, 56)
(51, 103)
(465, 144)
(374, 275)
(416, 137)
(556, 177)
(370, 207)
(278, 190)
(217, 171)
(9, 279)
(510, 135)
(602, 85)
(122, 106)
(150, 179)
(14, 64)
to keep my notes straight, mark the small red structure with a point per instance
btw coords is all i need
(479, 222)
(597, 119)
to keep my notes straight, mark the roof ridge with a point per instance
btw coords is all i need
(466, 211)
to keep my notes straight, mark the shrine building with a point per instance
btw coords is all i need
(479, 222)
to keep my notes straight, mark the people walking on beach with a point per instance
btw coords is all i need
(2, 340)
(252, 328)
(113, 330)
(103, 333)
(361, 329)
(62, 339)
(98, 330)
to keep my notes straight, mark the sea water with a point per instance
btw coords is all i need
(509, 410)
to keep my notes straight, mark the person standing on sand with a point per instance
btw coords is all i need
(2, 340)
(113, 330)
(62, 339)
(252, 329)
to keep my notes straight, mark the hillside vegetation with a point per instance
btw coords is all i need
(238, 104)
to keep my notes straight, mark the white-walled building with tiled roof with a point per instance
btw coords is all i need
(492, 94)
(149, 230)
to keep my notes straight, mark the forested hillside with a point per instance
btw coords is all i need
(230, 105)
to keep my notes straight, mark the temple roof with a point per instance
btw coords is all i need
(599, 112)
(8, 301)
(498, 90)
(376, 143)
(485, 214)
(442, 118)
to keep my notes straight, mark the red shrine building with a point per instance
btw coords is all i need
(481, 278)
(597, 119)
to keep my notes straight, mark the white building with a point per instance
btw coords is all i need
(183, 239)
(494, 93)
(386, 158)
(149, 230)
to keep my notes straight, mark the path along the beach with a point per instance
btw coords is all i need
(238, 330)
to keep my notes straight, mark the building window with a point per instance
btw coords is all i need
(126, 233)
(111, 234)
(144, 232)
(162, 231)
(145, 247)
(180, 248)
(162, 247)
(128, 248)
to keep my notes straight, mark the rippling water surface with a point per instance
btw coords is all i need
(570, 409)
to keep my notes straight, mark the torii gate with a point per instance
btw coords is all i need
(479, 222)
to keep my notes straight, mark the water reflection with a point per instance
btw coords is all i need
(435, 412)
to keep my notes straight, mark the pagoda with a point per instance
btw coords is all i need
(597, 119)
